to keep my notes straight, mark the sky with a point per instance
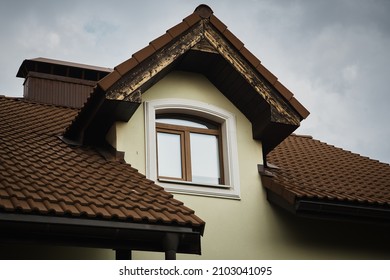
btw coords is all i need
(333, 55)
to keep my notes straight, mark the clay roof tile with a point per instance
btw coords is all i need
(310, 168)
(47, 177)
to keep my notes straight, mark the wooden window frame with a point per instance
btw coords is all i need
(185, 135)
(215, 114)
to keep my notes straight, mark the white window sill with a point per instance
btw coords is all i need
(190, 188)
(194, 184)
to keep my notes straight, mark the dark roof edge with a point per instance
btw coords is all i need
(333, 210)
(61, 63)
(90, 222)
(82, 232)
(343, 210)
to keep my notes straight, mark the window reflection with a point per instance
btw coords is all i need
(188, 148)
(205, 158)
(169, 155)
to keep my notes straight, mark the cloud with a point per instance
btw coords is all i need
(332, 54)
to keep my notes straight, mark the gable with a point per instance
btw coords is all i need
(191, 94)
(201, 44)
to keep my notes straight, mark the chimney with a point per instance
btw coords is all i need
(59, 83)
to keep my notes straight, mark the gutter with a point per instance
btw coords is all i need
(96, 233)
(339, 210)
(91, 223)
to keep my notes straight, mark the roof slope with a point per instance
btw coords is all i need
(41, 175)
(310, 169)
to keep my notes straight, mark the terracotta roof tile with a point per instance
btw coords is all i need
(192, 19)
(161, 41)
(109, 80)
(126, 66)
(178, 29)
(233, 39)
(310, 168)
(252, 59)
(48, 177)
(299, 107)
(283, 90)
(267, 74)
(144, 53)
(219, 25)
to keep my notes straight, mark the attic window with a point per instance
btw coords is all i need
(191, 148)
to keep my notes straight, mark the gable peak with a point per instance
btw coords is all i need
(204, 11)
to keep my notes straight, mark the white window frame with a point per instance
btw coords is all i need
(227, 120)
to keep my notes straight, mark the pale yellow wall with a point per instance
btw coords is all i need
(250, 228)
(226, 212)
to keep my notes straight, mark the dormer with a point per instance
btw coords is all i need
(201, 43)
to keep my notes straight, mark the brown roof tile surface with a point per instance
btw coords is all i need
(308, 168)
(39, 174)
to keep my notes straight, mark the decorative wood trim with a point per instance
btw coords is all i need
(154, 65)
(280, 112)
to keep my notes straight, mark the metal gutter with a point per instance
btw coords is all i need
(10, 217)
(342, 210)
(332, 210)
(96, 233)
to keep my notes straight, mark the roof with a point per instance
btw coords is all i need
(41, 175)
(205, 14)
(62, 68)
(304, 169)
(200, 43)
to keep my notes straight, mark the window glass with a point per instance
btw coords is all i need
(186, 121)
(197, 149)
(169, 155)
(205, 159)
(182, 122)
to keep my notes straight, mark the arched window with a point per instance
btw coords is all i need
(191, 147)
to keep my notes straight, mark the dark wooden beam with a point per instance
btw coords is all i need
(151, 67)
(282, 111)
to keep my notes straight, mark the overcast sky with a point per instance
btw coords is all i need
(333, 55)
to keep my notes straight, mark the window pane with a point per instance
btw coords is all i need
(181, 122)
(169, 155)
(186, 121)
(205, 158)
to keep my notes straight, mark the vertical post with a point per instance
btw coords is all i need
(123, 254)
(171, 243)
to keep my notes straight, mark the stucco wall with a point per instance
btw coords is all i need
(249, 228)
